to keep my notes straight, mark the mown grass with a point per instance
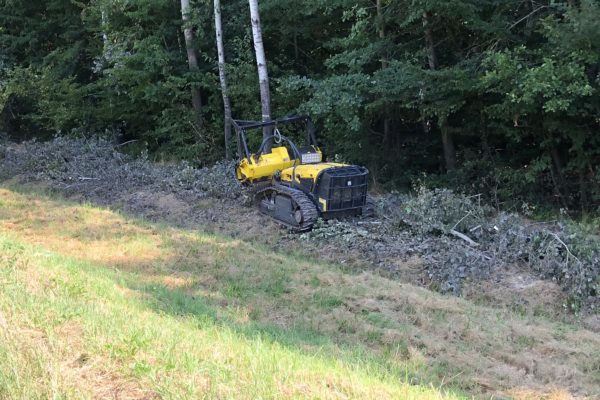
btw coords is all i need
(85, 324)
(71, 329)
(97, 305)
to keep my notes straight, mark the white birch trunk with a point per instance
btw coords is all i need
(261, 63)
(222, 76)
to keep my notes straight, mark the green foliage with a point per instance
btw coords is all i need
(515, 86)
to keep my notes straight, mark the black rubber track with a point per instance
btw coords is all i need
(307, 207)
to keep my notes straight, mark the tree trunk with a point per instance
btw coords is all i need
(431, 54)
(263, 76)
(583, 188)
(558, 178)
(296, 48)
(484, 134)
(107, 59)
(447, 138)
(188, 34)
(448, 144)
(387, 125)
(381, 29)
(106, 53)
(222, 76)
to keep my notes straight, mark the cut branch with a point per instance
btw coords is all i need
(463, 237)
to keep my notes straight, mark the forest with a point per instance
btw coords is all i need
(493, 97)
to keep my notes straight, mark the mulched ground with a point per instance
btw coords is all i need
(435, 238)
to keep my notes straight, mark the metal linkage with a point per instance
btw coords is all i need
(242, 126)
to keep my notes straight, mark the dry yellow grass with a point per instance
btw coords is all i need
(439, 340)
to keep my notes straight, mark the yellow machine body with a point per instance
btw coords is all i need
(266, 166)
(256, 169)
(279, 163)
(302, 172)
(306, 175)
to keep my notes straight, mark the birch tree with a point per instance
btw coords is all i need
(192, 57)
(222, 76)
(263, 76)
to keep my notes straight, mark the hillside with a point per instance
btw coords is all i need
(96, 304)
(539, 267)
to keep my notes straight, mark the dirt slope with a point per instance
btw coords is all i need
(210, 199)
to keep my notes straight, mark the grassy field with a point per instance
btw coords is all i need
(94, 304)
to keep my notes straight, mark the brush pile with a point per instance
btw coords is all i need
(95, 170)
(456, 237)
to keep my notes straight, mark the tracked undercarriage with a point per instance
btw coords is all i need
(288, 206)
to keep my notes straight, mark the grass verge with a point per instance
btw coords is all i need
(94, 304)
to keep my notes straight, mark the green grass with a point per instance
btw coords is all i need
(160, 341)
(71, 328)
(94, 304)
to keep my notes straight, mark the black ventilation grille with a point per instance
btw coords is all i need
(344, 188)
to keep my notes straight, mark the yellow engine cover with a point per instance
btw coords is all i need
(306, 171)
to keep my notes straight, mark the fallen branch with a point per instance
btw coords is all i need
(527, 16)
(127, 142)
(463, 237)
(566, 247)
(474, 229)
(461, 220)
